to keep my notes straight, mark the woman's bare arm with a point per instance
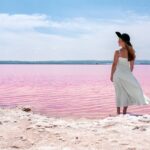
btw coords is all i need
(131, 65)
(114, 64)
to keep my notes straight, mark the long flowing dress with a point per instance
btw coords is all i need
(127, 89)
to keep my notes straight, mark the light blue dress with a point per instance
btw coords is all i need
(127, 88)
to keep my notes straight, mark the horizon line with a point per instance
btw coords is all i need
(84, 62)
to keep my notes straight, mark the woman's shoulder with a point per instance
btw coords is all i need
(117, 52)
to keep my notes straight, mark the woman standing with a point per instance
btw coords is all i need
(127, 88)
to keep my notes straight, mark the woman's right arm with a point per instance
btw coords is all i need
(114, 64)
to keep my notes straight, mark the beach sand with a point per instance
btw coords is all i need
(29, 131)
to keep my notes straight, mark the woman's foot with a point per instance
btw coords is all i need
(118, 110)
(125, 110)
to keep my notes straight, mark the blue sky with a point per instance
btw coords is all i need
(71, 29)
(74, 8)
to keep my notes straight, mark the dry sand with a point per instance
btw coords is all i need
(28, 131)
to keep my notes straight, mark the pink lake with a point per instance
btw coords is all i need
(66, 90)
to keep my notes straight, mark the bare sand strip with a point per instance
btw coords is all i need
(29, 131)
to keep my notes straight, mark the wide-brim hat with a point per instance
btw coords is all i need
(125, 37)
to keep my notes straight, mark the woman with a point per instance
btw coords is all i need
(127, 88)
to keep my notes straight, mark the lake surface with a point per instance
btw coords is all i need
(66, 90)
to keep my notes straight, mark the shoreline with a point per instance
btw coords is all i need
(69, 62)
(22, 129)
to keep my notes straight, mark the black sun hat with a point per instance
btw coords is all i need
(125, 37)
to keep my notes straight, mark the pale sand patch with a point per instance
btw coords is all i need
(28, 131)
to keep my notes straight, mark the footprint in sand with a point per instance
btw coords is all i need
(16, 147)
(110, 124)
(114, 141)
(114, 131)
(124, 144)
(142, 128)
(131, 148)
(57, 134)
(28, 128)
(61, 139)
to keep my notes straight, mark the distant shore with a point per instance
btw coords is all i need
(82, 62)
(24, 130)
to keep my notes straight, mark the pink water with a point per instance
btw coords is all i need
(66, 90)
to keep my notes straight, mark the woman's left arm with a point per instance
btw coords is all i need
(131, 65)
(114, 64)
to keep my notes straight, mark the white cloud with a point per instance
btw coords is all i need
(22, 21)
(39, 37)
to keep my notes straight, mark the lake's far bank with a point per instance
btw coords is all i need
(73, 62)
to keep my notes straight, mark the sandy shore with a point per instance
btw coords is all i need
(28, 131)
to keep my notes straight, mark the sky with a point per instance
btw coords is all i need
(72, 29)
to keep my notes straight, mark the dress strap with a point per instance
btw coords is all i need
(119, 52)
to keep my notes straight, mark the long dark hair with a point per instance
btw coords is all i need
(131, 52)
